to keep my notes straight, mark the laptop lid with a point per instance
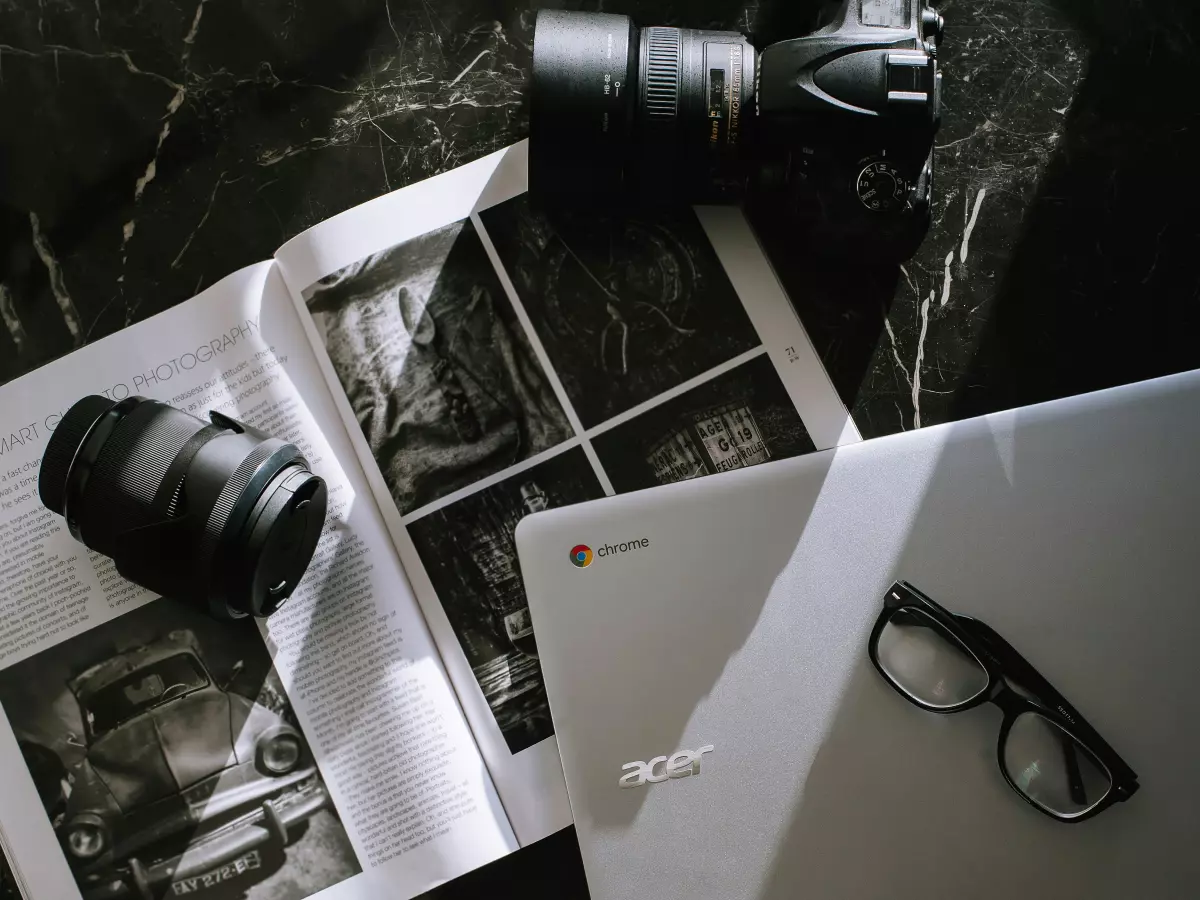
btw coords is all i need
(733, 613)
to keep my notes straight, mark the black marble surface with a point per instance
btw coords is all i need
(1062, 254)
(149, 148)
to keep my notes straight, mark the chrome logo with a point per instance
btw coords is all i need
(581, 555)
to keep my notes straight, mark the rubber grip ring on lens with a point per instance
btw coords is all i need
(87, 455)
(663, 47)
(68, 437)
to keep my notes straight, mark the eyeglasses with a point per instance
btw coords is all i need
(948, 663)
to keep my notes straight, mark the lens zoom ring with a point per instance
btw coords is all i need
(229, 496)
(137, 456)
(129, 470)
(663, 47)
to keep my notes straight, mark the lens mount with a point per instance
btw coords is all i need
(69, 467)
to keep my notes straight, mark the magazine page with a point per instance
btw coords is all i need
(133, 727)
(490, 362)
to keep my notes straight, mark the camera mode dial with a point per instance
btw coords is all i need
(881, 187)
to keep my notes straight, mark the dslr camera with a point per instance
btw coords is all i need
(831, 132)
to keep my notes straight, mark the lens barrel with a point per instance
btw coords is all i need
(655, 114)
(214, 512)
(582, 102)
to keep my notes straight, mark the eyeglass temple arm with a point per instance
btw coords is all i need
(1029, 677)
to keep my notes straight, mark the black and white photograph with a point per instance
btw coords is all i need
(625, 307)
(741, 418)
(468, 550)
(441, 377)
(169, 762)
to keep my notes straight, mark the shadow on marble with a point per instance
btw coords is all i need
(1102, 288)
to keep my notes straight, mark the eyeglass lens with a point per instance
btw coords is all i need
(1051, 768)
(1043, 761)
(928, 663)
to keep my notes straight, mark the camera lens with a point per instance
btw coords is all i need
(581, 106)
(655, 114)
(214, 512)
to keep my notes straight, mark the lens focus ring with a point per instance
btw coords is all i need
(661, 86)
(231, 493)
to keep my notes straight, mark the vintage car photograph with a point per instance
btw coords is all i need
(169, 762)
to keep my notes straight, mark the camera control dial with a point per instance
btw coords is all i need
(881, 187)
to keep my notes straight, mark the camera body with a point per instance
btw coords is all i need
(846, 121)
(831, 132)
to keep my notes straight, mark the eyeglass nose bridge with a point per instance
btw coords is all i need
(1011, 701)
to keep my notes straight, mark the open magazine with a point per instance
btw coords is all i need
(449, 360)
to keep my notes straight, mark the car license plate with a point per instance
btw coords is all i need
(212, 878)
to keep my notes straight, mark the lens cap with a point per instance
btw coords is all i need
(279, 539)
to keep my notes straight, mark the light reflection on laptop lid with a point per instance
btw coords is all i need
(724, 735)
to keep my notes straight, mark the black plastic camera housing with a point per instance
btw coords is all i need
(832, 130)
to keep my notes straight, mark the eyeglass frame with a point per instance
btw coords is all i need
(1001, 662)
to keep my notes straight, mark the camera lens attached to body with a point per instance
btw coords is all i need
(656, 112)
(831, 132)
(215, 512)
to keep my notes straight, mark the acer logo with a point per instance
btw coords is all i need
(678, 765)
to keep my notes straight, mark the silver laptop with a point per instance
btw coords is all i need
(725, 733)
